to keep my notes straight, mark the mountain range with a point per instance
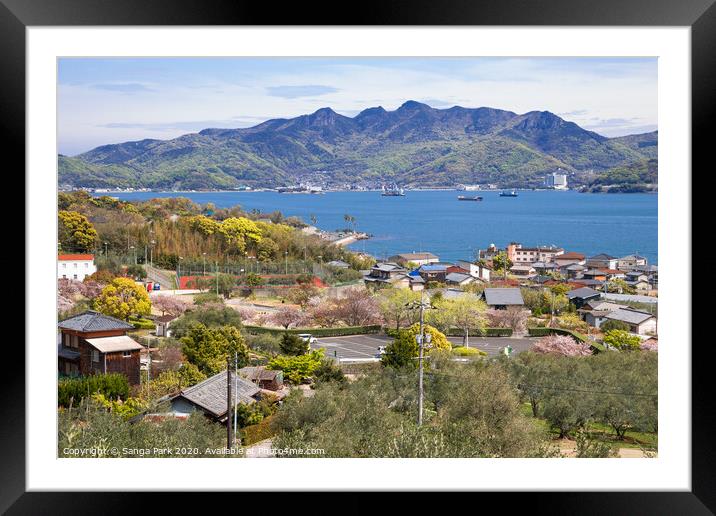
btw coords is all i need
(415, 145)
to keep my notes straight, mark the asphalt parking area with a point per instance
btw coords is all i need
(365, 347)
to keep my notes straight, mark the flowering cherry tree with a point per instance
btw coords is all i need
(287, 316)
(173, 305)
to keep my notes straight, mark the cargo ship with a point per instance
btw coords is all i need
(469, 198)
(511, 193)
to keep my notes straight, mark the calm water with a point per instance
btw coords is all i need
(435, 221)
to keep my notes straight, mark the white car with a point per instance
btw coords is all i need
(307, 337)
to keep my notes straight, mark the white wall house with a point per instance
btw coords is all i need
(75, 266)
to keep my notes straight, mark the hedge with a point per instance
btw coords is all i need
(544, 331)
(466, 352)
(457, 332)
(256, 433)
(317, 332)
(579, 337)
(112, 386)
(485, 332)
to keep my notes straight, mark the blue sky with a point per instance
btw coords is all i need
(111, 100)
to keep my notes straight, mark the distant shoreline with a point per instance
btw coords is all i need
(268, 190)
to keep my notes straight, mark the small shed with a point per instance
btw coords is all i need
(162, 324)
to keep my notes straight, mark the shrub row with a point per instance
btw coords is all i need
(485, 332)
(579, 337)
(544, 331)
(317, 332)
(112, 386)
(142, 324)
(457, 332)
(463, 351)
(256, 433)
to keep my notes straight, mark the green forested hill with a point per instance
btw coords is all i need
(415, 145)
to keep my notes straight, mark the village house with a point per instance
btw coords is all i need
(162, 323)
(416, 258)
(264, 378)
(458, 278)
(594, 274)
(94, 343)
(574, 270)
(75, 266)
(338, 264)
(627, 263)
(640, 322)
(475, 270)
(526, 271)
(545, 267)
(580, 296)
(210, 397)
(602, 261)
(433, 272)
(594, 312)
(569, 259)
(387, 274)
(638, 280)
(503, 298)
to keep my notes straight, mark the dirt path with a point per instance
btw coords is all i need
(568, 448)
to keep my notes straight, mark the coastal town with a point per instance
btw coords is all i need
(290, 315)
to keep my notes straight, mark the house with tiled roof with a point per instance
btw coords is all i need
(93, 343)
(570, 258)
(416, 258)
(602, 261)
(628, 262)
(502, 298)
(211, 396)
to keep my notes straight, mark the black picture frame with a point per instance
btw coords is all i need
(700, 15)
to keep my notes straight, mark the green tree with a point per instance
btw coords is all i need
(501, 262)
(211, 315)
(267, 250)
(226, 284)
(395, 306)
(402, 352)
(466, 313)
(123, 298)
(292, 344)
(622, 340)
(209, 348)
(75, 232)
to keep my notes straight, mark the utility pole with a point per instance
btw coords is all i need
(420, 361)
(229, 428)
(236, 388)
(216, 267)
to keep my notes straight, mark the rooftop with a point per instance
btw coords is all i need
(602, 256)
(503, 296)
(629, 315)
(417, 256)
(90, 321)
(210, 395)
(114, 344)
(582, 293)
(74, 257)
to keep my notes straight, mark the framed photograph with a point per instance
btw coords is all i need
(415, 249)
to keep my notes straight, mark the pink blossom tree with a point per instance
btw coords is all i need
(649, 345)
(324, 312)
(172, 305)
(561, 345)
(287, 316)
(359, 308)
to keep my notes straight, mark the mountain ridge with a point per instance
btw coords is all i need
(415, 144)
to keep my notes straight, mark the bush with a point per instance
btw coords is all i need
(292, 344)
(622, 340)
(259, 432)
(264, 342)
(297, 369)
(207, 297)
(543, 332)
(464, 351)
(317, 332)
(614, 325)
(141, 323)
(112, 386)
(329, 372)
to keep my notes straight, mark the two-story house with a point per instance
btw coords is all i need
(94, 343)
(75, 266)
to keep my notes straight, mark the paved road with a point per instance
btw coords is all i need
(364, 347)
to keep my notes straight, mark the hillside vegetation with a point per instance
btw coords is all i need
(415, 145)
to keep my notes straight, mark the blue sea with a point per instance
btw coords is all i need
(435, 221)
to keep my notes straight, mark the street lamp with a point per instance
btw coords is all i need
(105, 249)
(151, 260)
(203, 256)
(134, 250)
(286, 255)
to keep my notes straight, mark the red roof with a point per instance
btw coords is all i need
(74, 257)
(570, 255)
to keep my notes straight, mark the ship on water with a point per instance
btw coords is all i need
(392, 190)
(511, 193)
(469, 198)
